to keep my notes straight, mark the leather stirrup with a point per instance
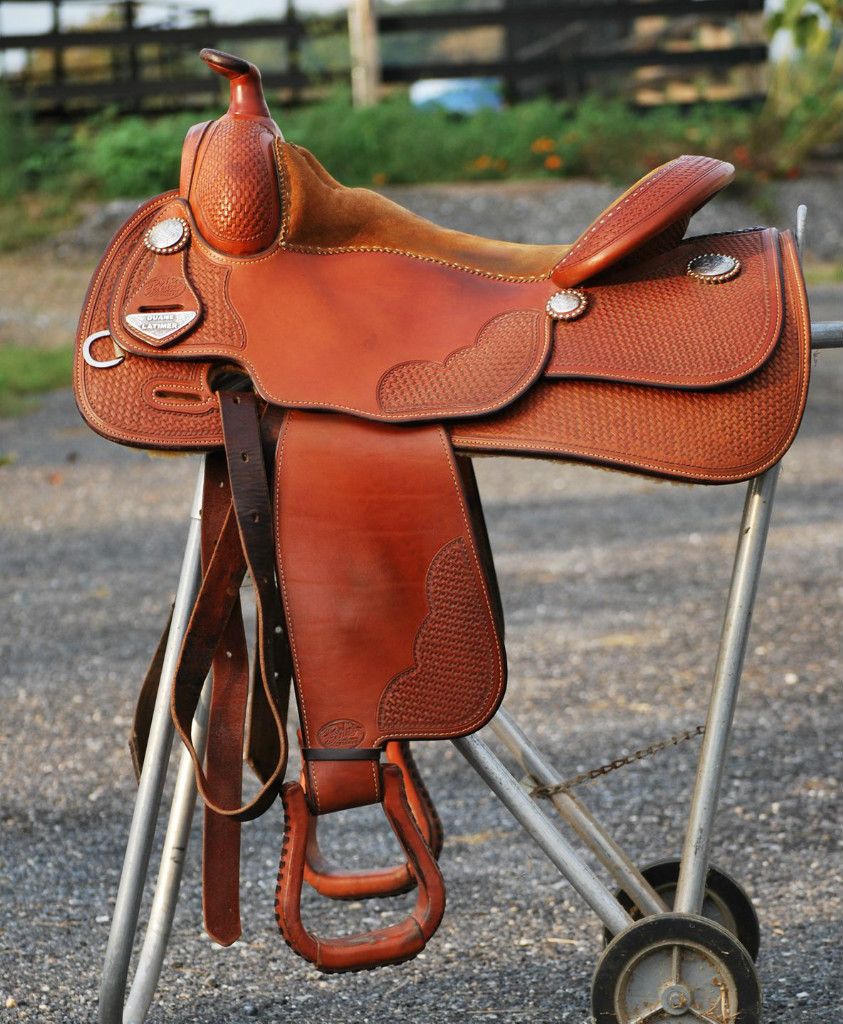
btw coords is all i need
(365, 950)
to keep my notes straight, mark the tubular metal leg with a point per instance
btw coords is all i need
(749, 556)
(747, 569)
(542, 831)
(163, 910)
(151, 785)
(578, 816)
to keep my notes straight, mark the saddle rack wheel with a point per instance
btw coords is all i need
(675, 969)
(726, 902)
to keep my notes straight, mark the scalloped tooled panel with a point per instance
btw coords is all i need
(502, 361)
(451, 681)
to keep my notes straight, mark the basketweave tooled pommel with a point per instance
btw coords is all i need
(228, 170)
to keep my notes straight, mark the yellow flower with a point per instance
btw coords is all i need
(542, 145)
(482, 163)
(380, 178)
(553, 162)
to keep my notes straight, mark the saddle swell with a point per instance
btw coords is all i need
(381, 350)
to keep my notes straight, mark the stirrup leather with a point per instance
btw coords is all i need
(329, 881)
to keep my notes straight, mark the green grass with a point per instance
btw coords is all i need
(28, 372)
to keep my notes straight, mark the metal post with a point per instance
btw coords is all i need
(142, 830)
(755, 522)
(542, 832)
(578, 816)
(365, 53)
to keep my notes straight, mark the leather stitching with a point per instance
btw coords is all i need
(652, 179)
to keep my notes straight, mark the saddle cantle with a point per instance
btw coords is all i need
(381, 350)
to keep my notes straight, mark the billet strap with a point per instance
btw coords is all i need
(391, 945)
(226, 723)
(336, 884)
(245, 540)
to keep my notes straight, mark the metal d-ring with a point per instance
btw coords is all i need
(100, 364)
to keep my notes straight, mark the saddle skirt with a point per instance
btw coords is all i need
(380, 351)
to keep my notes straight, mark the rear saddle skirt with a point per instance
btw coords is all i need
(381, 351)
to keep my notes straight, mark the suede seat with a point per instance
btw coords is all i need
(324, 215)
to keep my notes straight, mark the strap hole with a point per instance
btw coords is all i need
(236, 399)
(244, 456)
(256, 517)
(277, 629)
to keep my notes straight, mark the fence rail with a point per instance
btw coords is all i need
(561, 48)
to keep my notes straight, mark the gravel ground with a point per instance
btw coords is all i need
(613, 587)
(547, 211)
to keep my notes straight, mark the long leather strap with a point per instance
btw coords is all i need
(226, 723)
(245, 540)
(145, 704)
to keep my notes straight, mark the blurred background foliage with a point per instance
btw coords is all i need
(44, 170)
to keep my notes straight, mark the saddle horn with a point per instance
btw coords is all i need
(246, 87)
(228, 171)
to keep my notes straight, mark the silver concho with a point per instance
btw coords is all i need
(161, 325)
(167, 236)
(714, 267)
(567, 304)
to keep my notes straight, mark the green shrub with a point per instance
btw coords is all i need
(397, 143)
(130, 156)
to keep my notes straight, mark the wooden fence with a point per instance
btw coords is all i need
(635, 48)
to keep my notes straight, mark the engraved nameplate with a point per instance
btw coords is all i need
(158, 326)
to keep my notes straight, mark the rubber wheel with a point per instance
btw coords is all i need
(726, 901)
(675, 969)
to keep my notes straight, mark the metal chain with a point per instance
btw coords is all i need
(546, 792)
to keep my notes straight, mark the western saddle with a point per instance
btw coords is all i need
(340, 359)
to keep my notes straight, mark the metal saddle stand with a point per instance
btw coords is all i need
(693, 888)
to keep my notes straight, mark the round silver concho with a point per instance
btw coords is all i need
(567, 304)
(167, 236)
(714, 267)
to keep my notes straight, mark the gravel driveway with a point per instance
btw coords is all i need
(613, 587)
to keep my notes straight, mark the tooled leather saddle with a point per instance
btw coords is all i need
(339, 359)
